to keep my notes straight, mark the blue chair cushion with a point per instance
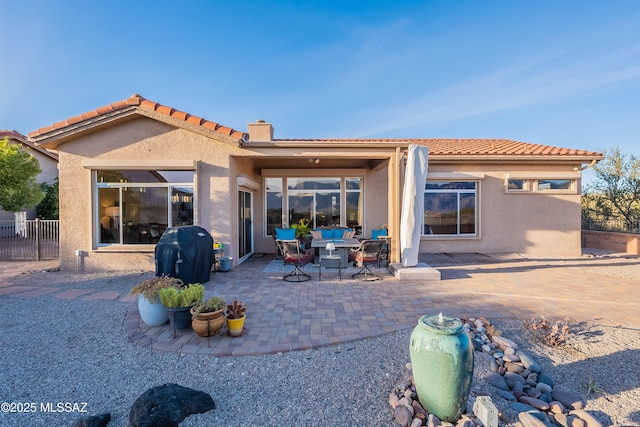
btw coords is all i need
(375, 234)
(327, 233)
(338, 233)
(285, 233)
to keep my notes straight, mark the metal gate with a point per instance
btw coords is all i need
(34, 239)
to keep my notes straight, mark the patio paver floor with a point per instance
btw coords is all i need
(285, 316)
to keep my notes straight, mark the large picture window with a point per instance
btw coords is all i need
(324, 201)
(450, 208)
(136, 206)
(315, 199)
(273, 204)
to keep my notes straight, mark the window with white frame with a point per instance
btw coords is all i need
(273, 203)
(538, 185)
(136, 206)
(450, 208)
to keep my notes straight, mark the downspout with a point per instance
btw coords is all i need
(590, 165)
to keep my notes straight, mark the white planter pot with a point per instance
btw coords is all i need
(153, 314)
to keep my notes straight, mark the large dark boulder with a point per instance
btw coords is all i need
(168, 405)
(94, 421)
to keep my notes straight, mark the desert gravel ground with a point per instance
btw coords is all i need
(61, 351)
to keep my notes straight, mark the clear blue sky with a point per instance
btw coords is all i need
(563, 73)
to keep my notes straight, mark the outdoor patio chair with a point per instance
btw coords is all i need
(366, 255)
(282, 234)
(376, 235)
(293, 254)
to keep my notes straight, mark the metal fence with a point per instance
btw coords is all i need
(611, 224)
(35, 239)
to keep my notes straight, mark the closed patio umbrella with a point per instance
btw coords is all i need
(412, 215)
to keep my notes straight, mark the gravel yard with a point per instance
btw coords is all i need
(56, 350)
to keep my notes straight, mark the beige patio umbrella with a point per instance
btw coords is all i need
(412, 215)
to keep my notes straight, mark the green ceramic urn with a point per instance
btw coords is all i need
(442, 359)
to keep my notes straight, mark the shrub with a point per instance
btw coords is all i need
(547, 331)
(185, 297)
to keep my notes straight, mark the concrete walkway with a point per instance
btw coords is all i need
(286, 316)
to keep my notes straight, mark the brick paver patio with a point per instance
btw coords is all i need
(285, 316)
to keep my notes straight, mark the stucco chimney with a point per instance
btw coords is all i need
(260, 131)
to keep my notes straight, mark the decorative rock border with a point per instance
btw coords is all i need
(515, 376)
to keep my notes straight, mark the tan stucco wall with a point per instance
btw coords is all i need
(144, 141)
(534, 223)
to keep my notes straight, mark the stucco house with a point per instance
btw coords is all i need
(132, 168)
(48, 164)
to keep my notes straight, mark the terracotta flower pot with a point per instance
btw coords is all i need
(207, 324)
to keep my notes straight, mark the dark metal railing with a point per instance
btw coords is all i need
(611, 224)
(34, 239)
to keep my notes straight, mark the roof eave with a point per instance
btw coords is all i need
(323, 144)
(520, 158)
(56, 137)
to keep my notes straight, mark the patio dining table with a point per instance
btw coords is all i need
(342, 248)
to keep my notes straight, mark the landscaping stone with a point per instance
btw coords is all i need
(587, 417)
(547, 379)
(536, 403)
(528, 362)
(521, 407)
(556, 407)
(433, 421)
(504, 343)
(513, 377)
(168, 405)
(94, 421)
(529, 420)
(511, 357)
(496, 380)
(506, 395)
(544, 388)
(393, 400)
(514, 367)
(568, 399)
(402, 416)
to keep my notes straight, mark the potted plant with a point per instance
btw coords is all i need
(207, 317)
(303, 228)
(178, 302)
(151, 310)
(235, 318)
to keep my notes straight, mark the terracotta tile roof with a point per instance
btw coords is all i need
(138, 101)
(12, 134)
(469, 147)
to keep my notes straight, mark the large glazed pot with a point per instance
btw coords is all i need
(152, 313)
(442, 360)
(180, 318)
